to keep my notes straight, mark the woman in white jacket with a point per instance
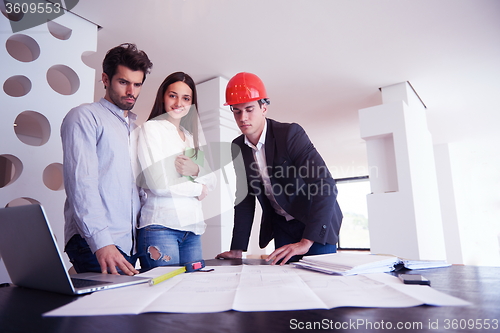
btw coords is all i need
(175, 177)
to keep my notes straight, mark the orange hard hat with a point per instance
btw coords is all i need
(243, 88)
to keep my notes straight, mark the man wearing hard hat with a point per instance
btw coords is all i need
(284, 171)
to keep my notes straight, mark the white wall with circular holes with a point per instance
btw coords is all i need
(42, 77)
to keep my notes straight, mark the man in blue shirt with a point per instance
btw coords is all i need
(102, 198)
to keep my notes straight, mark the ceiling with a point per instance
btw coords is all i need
(322, 60)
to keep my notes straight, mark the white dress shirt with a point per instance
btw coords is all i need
(170, 199)
(259, 154)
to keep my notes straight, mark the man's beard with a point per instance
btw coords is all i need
(119, 100)
(122, 104)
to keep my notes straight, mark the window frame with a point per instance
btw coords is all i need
(351, 180)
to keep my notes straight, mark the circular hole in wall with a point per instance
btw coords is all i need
(91, 59)
(22, 202)
(32, 128)
(53, 176)
(59, 31)
(12, 15)
(17, 86)
(23, 48)
(63, 79)
(10, 169)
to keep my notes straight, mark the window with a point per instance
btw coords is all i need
(354, 233)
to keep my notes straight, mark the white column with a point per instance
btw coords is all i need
(449, 214)
(404, 211)
(219, 129)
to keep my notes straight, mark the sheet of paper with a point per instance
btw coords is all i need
(126, 300)
(429, 296)
(274, 288)
(255, 288)
(200, 292)
(374, 290)
(357, 290)
(424, 294)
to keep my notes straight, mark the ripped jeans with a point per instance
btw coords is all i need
(162, 246)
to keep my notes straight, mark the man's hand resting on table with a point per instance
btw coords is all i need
(109, 258)
(233, 254)
(290, 250)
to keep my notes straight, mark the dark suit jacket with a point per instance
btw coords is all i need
(301, 183)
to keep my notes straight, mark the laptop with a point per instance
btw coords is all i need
(33, 260)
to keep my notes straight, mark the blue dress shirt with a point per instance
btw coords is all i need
(102, 197)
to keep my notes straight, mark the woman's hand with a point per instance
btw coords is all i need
(204, 193)
(185, 166)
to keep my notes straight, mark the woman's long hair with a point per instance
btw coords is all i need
(189, 121)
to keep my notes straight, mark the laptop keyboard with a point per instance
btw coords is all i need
(82, 283)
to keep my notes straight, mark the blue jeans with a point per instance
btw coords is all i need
(283, 237)
(83, 259)
(162, 246)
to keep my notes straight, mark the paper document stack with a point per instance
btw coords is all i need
(360, 263)
(422, 264)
